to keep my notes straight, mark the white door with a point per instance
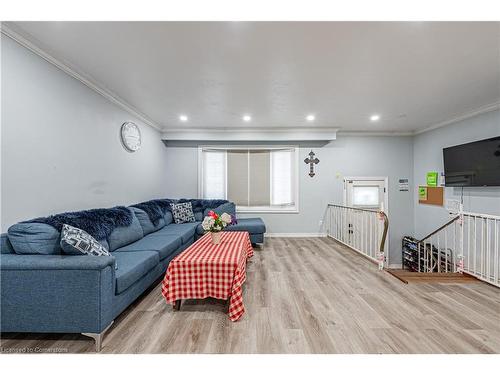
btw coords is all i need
(369, 193)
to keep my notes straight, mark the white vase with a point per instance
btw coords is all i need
(216, 237)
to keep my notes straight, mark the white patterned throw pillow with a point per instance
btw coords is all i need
(76, 241)
(183, 212)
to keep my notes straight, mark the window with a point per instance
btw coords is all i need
(365, 196)
(255, 179)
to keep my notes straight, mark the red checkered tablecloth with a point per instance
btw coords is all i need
(207, 270)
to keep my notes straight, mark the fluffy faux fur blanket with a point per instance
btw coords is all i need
(99, 222)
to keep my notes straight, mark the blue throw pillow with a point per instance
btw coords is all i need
(34, 238)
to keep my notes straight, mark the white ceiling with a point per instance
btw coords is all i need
(414, 74)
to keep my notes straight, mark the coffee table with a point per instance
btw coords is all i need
(207, 270)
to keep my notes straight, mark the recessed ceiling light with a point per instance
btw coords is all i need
(183, 118)
(310, 118)
(247, 118)
(374, 118)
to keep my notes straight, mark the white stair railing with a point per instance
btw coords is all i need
(364, 231)
(480, 238)
(468, 243)
(437, 252)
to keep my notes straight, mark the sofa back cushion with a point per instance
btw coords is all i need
(5, 245)
(228, 208)
(122, 236)
(146, 223)
(169, 219)
(34, 238)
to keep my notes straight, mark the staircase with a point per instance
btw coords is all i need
(465, 249)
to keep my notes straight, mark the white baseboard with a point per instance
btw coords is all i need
(295, 235)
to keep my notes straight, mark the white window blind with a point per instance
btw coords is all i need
(282, 177)
(214, 174)
(254, 178)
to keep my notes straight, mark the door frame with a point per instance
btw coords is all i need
(386, 202)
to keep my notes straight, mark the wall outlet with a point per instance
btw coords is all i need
(321, 223)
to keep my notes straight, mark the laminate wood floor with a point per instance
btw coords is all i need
(307, 295)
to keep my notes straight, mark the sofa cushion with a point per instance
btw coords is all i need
(5, 245)
(146, 223)
(164, 244)
(169, 219)
(228, 207)
(184, 231)
(121, 236)
(34, 238)
(132, 265)
(250, 225)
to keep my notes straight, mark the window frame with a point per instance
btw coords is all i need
(256, 209)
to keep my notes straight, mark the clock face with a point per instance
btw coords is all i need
(131, 136)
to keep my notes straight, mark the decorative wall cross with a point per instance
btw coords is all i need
(311, 160)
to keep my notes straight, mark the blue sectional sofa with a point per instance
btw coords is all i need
(44, 290)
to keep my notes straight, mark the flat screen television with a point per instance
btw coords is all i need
(473, 164)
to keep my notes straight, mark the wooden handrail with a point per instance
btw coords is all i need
(386, 228)
(439, 229)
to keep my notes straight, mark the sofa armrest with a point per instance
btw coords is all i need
(55, 262)
(50, 293)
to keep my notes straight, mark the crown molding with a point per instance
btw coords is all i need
(251, 134)
(29, 42)
(464, 116)
(363, 133)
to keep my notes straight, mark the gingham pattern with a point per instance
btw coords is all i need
(207, 270)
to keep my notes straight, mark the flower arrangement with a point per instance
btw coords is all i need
(216, 223)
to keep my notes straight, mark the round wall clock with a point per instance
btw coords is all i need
(131, 136)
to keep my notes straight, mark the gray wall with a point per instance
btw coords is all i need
(60, 146)
(428, 156)
(348, 156)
